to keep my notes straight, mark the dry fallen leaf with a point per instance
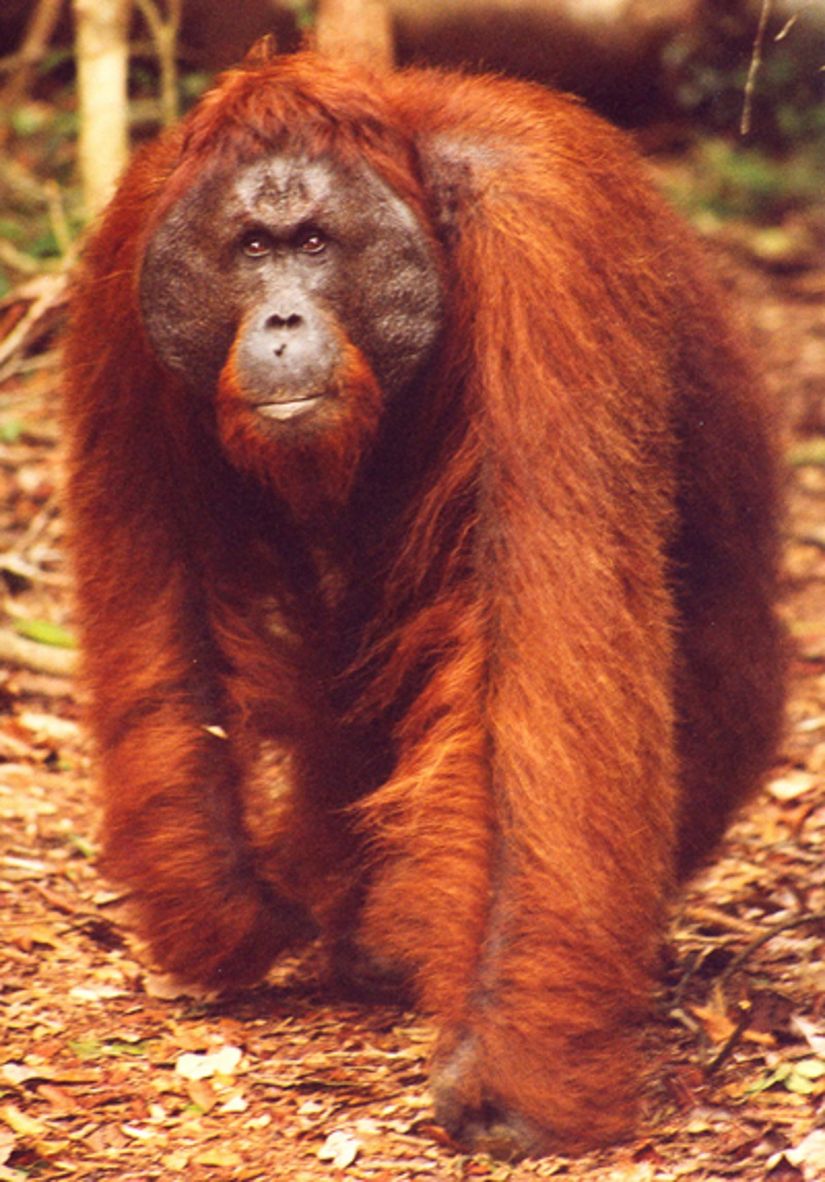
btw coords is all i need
(22, 1124)
(165, 988)
(716, 1022)
(809, 1156)
(219, 1157)
(340, 1149)
(8, 1144)
(201, 1092)
(813, 1034)
(792, 785)
(197, 1065)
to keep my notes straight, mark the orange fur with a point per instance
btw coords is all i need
(316, 474)
(518, 647)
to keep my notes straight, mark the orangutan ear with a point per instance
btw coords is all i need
(458, 169)
(261, 52)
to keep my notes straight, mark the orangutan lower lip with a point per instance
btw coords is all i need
(288, 410)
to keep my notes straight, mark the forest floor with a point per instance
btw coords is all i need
(105, 1074)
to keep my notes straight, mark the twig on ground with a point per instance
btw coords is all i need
(775, 929)
(46, 306)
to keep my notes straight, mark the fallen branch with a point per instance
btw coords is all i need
(775, 929)
(48, 300)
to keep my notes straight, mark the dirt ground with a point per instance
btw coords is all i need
(103, 1075)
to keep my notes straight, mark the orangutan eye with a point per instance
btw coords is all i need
(255, 244)
(311, 241)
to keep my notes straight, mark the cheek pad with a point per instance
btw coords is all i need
(186, 297)
(394, 303)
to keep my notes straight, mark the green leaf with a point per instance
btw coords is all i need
(808, 451)
(10, 429)
(81, 844)
(114, 1048)
(799, 1085)
(87, 1048)
(45, 632)
(810, 1068)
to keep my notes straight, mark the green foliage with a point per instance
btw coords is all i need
(192, 85)
(304, 13)
(40, 206)
(709, 75)
(731, 180)
(802, 1077)
(39, 195)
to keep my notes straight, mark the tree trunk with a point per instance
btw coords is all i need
(356, 31)
(102, 55)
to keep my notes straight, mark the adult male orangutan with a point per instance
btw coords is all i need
(408, 439)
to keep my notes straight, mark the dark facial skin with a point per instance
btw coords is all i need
(283, 262)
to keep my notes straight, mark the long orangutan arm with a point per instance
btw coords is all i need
(172, 760)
